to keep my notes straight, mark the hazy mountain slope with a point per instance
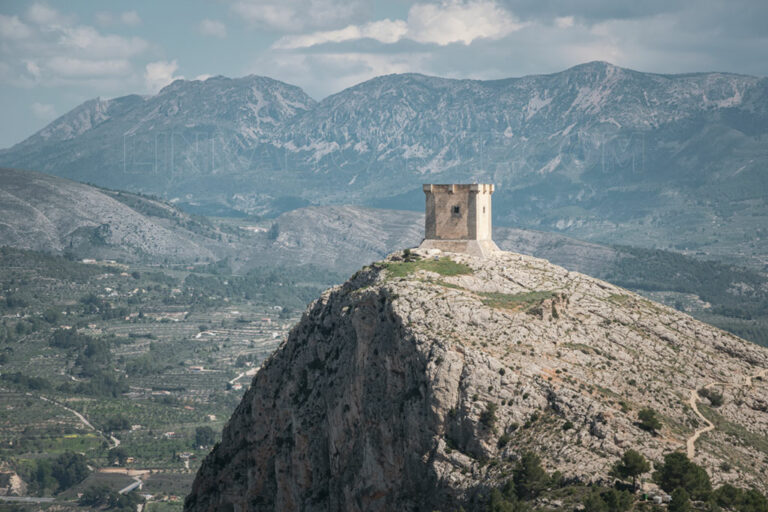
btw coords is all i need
(189, 131)
(595, 151)
(342, 237)
(42, 212)
(56, 215)
(346, 237)
(380, 397)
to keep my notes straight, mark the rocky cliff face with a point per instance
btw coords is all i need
(417, 384)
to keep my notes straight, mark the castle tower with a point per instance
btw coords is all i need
(458, 219)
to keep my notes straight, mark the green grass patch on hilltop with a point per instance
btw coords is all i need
(515, 301)
(619, 298)
(444, 266)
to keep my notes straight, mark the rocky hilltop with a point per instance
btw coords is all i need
(419, 382)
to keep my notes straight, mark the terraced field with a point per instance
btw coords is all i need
(131, 361)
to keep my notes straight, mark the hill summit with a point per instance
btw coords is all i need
(422, 381)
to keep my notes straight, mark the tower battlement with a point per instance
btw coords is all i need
(458, 218)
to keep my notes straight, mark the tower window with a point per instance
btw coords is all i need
(456, 210)
(483, 209)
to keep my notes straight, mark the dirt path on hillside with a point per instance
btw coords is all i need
(115, 442)
(761, 374)
(690, 443)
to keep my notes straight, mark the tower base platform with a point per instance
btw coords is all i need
(480, 248)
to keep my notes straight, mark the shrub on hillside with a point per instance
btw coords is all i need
(529, 477)
(649, 420)
(679, 472)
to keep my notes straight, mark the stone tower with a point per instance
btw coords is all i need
(458, 219)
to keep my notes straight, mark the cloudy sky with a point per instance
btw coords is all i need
(56, 54)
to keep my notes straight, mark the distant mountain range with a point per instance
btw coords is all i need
(596, 151)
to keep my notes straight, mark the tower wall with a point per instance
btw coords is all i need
(458, 212)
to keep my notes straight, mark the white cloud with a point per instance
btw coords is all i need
(130, 18)
(32, 68)
(88, 40)
(298, 15)
(43, 111)
(159, 74)
(74, 67)
(453, 21)
(384, 31)
(48, 48)
(203, 77)
(11, 27)
(213, 28)
(564, 22)
(442, 24)
(41, 14)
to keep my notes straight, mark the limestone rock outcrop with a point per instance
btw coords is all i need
(416, 384)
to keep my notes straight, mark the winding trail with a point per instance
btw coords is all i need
(690, 443)
(115, 442)
(761, 374)
(82, 418)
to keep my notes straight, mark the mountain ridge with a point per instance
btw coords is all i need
(596, 151)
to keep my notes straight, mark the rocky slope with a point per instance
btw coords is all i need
(415, 385)
(191, 131)
(46, 213)
(42, 212)
(596, 151)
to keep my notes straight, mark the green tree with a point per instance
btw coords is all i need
(205, 436)
(95, 496)
(631, 465)
(529, 477)
(609, 500)
(52, 315)
(69, 469)
(498, 503)
(727, 496)
(617, 501)
(118, 455)
(116, 423)
(488, 416)
(714, 396)
(649, 420)
(681, 502)
(678, 471)
(752, 501)
(44, 475)
(274, 231)
(593, 502)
